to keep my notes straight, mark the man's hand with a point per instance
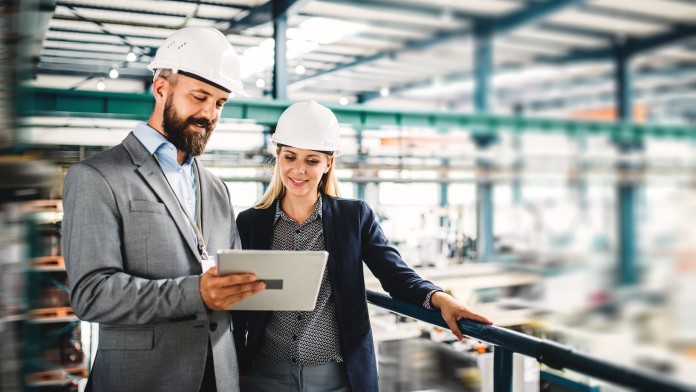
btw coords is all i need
(221, 292)
(453, 311)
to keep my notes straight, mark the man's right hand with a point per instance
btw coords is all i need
(221, 292)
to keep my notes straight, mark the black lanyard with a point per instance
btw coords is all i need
(198, 223)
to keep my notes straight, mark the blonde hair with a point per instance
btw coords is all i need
(328, 185)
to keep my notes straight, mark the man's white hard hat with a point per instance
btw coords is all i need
(202, 53)
(310, 126)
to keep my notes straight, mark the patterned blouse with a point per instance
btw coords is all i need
(304, 338)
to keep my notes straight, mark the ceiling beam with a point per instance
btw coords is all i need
(77, 6)
(264, 13)
(675, 71)
(606, 98)
(634, 46)
(531, 14)
(129, 23)
(627, 13)
(432, 10)
(600, 87)
(98, 33)
(501, 25)
(678, 33)
(552, 27)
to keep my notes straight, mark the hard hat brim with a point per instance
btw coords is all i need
(231, 88)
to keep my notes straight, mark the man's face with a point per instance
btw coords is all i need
(191, 112)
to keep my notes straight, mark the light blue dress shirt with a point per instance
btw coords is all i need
(180, 177)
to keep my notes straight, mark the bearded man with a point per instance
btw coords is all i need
(141, 222)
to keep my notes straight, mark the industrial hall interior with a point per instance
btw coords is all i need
(527, 162)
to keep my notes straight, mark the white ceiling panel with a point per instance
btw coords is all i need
(606, 23)
(164, 7)
(372, 14)
(120, 16)
(679, 11)
(557, 37)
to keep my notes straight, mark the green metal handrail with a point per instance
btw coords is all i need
(549, 353)
(99, 104)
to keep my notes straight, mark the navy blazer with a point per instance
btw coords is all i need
(351, 236)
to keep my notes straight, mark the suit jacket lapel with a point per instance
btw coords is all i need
(153, 176)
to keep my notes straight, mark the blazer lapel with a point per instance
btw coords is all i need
(262, 228)
(153, 176)
(331, 244)
(263, 232)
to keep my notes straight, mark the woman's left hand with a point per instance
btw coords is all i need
(453, 311)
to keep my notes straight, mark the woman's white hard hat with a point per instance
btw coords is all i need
(310, 126)
(203, 53)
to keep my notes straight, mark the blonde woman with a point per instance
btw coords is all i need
(331, 347)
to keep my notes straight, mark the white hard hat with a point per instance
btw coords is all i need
(310, 126)
(202, 53)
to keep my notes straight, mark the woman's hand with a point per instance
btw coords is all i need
(453, 311)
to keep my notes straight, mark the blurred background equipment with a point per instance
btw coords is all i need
(534, 158)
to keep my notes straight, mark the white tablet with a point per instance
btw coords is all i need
(292, 278)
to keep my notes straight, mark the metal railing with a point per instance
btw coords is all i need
(554, 355)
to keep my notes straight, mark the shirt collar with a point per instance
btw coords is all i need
(156, 143)
(317, 214)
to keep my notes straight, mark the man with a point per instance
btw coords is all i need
(141, 223)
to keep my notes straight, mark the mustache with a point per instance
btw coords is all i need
(201, 122)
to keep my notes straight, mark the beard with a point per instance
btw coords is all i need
(180, 136)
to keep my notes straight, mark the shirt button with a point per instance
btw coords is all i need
(213, 326)
(294, 360)
(294, 337)
(180, 170)
(299, 317)
(297, 231)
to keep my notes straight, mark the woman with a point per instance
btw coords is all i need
(331, 347)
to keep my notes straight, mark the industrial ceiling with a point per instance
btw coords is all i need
(551, 58)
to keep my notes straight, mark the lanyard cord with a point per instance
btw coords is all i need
(197, 225)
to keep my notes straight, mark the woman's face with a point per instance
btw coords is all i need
(301, 170)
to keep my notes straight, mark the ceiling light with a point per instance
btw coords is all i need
(384, 91)
(300, 69)
(131, 56)
(257, 58)
(299, 46)
(113, 74)
(437, 82)
(101, 85)
(343, 100)
(268, 43)
(325, 30)
(260, 83)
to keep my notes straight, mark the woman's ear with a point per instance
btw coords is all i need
(329, 163)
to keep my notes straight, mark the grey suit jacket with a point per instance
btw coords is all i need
(133, 267)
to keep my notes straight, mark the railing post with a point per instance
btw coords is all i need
(502, 369)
